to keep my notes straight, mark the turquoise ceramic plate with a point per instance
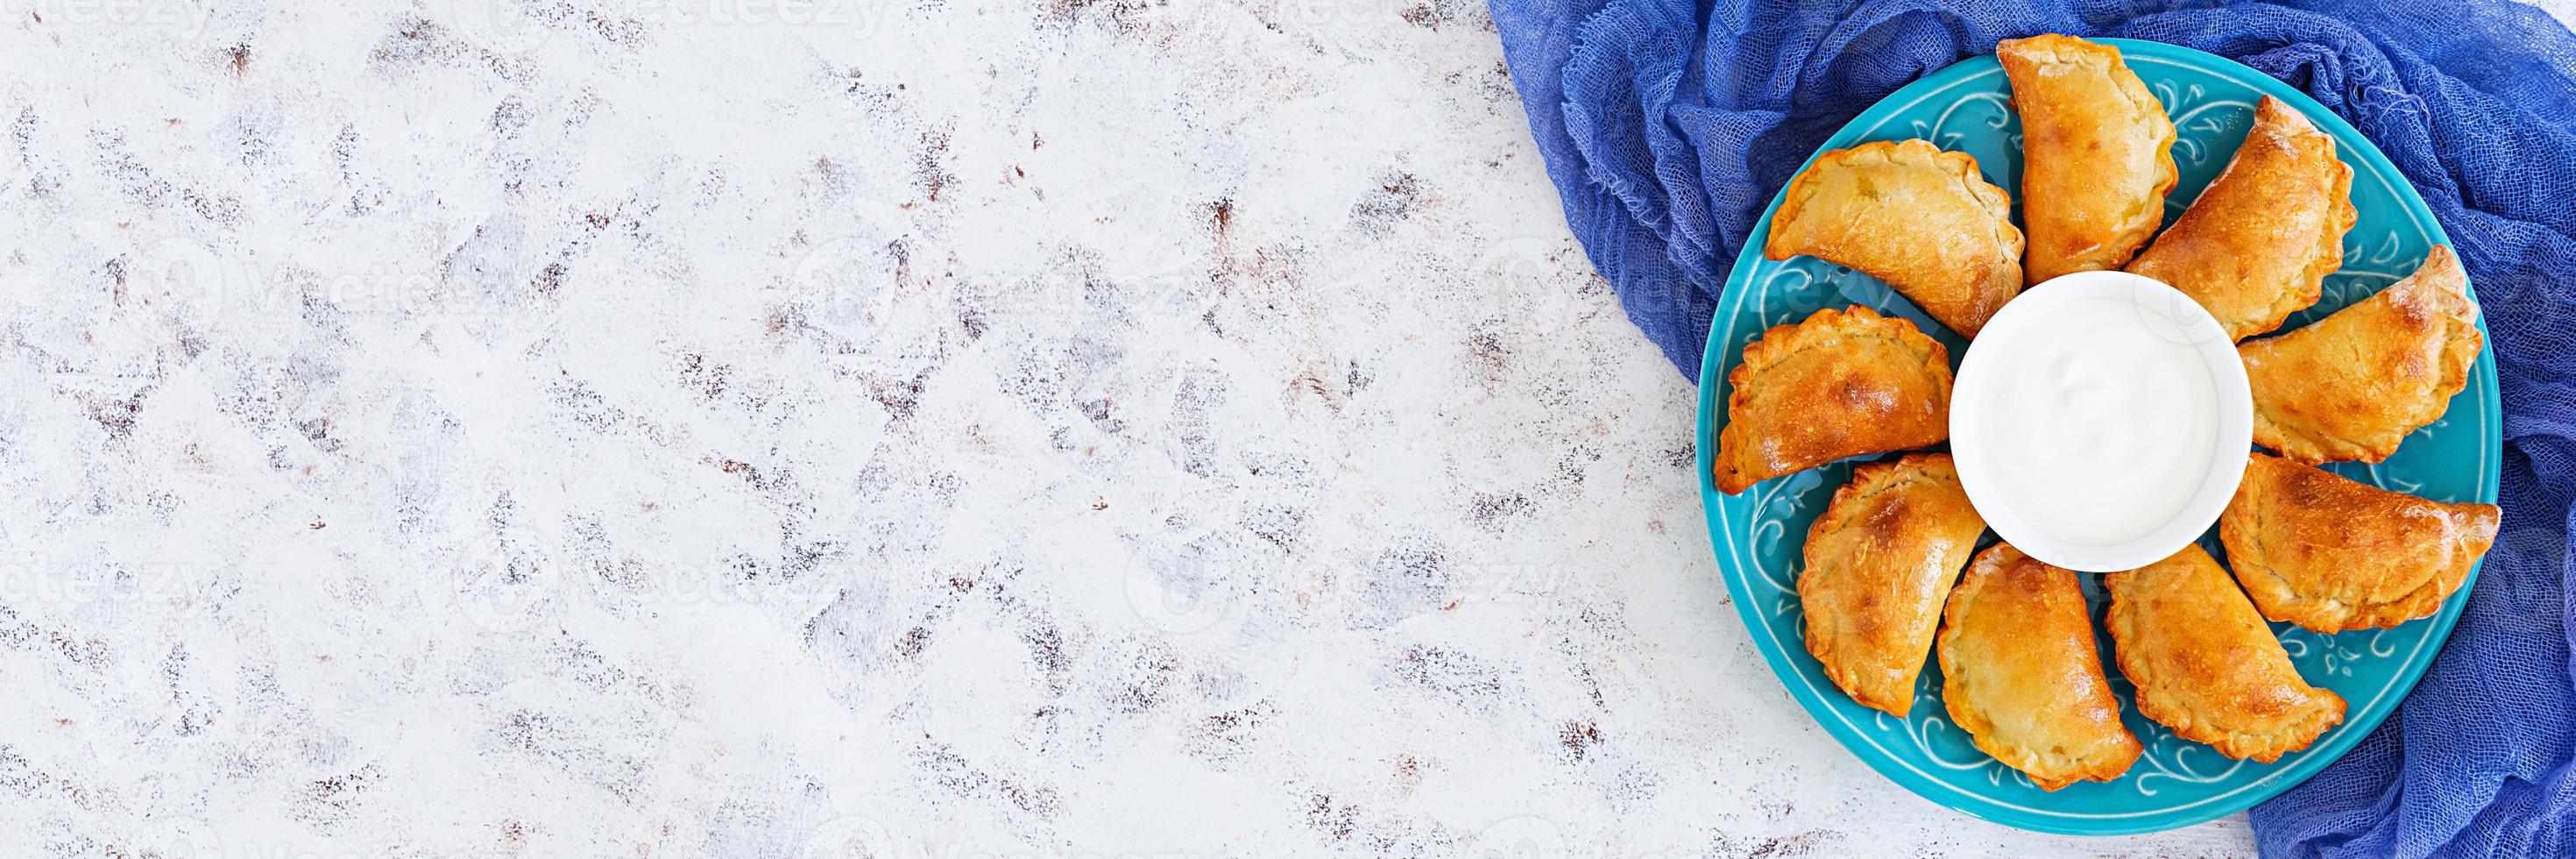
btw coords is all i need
(1758, 534)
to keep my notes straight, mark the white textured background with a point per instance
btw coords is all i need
(844, 428)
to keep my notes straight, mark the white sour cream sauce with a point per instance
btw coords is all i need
(2103, 423)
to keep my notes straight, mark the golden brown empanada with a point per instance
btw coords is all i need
(2097, 154)
(2259, 242)
(2021, 674)
(1905, 212)
(2351, 386)
(1880, 563)
(1843, 383)
(2206, 665)
(2330, 554)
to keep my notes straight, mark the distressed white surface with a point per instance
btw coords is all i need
(647, 429)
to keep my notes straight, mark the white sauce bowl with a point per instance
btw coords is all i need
(2100, 421)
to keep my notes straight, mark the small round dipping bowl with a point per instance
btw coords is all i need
(1979, 449)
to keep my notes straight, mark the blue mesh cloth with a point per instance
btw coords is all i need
(1668, 124)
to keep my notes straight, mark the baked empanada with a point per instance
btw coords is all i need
(2351, 386)
(1880, 563)
(1905, 212)
(1843, 383)
(2330, 554)
(2022, 676)
(2206, 665)
(2097, 154)
(2260, 241)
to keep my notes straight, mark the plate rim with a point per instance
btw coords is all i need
(2344, 737)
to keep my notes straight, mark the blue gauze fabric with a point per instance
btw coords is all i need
(1667, 125)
